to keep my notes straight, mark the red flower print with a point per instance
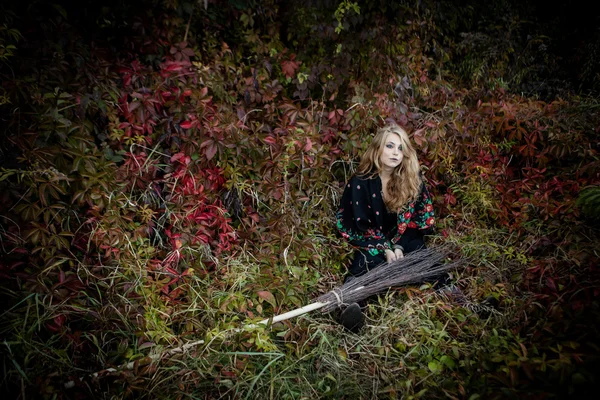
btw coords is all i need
(411, 224)
(429, 208)
(402, 227)
(430, 221)
(407, 215)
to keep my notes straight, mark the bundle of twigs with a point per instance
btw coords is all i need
(417, 266)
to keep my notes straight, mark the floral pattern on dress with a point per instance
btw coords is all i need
(359, 218)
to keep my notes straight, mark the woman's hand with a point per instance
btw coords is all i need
(390, 255)
(394, 255)
(398, 253)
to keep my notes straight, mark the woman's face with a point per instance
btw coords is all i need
(391, 155)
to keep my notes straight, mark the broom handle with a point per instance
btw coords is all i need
(295, 313)
(181, 349)
(299, 311)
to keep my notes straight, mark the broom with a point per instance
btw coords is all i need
(415, 267)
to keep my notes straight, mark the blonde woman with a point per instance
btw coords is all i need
(386, 208)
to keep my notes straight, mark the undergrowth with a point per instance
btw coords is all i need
(172, 181)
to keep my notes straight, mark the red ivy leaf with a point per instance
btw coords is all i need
(290, 67)
(418, 137)
(177, 156)
(254, 217)
(449, 198)
(186, 124)
(308, 145)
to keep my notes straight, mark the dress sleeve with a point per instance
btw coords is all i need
(424, 216)
(357, 218)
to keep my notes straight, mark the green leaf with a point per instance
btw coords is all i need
(435, 366)
(448, 361)
(5, 174)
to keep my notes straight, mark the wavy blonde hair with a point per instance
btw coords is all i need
(405, 183)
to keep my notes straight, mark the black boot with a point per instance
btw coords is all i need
(352, 318)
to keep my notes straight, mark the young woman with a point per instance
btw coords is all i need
(385, 210)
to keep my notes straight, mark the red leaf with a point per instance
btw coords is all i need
(449, 199)
(418, 138)
(551, 285)
(177, 156)
(59, 320)
(171, 271)
(290, 67)
(174, 65)
(186, 124)
(268, 297)
(335, 116)
(211, 151)
(308, 145)
(270, 140)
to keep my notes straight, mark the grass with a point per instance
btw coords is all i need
(416, 343)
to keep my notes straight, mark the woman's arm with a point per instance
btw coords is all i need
(356, 218)
(417, 217)
(424, 216)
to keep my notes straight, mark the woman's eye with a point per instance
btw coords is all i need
(389, 146)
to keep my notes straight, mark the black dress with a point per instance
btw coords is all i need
(364, 221)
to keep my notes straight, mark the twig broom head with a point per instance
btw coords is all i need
(415, 267)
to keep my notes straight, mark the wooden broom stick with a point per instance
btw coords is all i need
(297, 312)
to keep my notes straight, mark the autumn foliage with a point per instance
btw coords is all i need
(170, 179)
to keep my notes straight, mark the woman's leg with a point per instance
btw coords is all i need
(352, 316)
